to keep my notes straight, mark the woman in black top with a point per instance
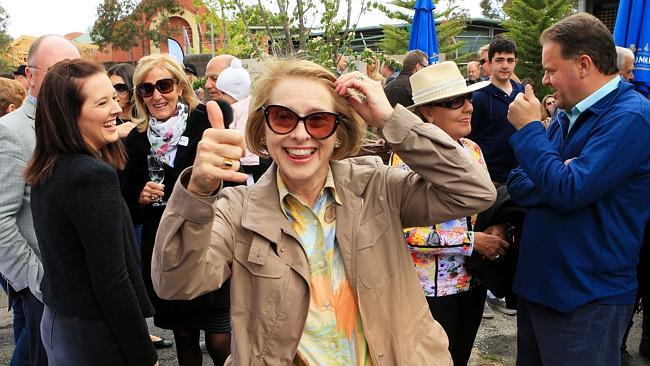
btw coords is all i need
(95, 299)
(121, 76)
(171, 122)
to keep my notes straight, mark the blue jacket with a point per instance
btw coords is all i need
(584, 225)
(491, 129)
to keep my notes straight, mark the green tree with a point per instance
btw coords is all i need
(233, 22)
(289, 25)
(5, 39)
(493, 9)
(452, 23)
(527, 19)
(126, 24)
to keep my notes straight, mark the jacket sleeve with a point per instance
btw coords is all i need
(188, 223)
(95, 204)
(522, 189)
(614, 150)
(19, 263)
(446, 242)
(446, 182)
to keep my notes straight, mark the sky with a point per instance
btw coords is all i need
(38, 17)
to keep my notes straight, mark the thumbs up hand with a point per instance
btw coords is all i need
(217, 156)
(525, 109)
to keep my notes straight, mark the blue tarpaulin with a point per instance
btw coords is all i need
(632, 30)
(423, 31)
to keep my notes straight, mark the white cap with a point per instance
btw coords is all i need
(235, 80)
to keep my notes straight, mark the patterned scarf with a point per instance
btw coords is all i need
(164, 136)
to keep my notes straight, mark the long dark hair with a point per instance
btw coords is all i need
(125, 71)
(57, 111)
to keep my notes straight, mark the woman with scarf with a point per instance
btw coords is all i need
(171, 123)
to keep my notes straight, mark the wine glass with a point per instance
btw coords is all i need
(156, 174)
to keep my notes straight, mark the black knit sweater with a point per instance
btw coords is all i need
(88, 252)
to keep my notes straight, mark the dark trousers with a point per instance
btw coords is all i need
(460, 316)
(590, 335)
(79, 341)
(33, 314)
(20, 356)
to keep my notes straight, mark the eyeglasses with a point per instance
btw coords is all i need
(455, 103)
(164, 86)
(121, 88)
(550, 102)
(38, 68)
(282, 120)
(482, 61)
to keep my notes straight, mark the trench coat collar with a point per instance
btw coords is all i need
(263, 215)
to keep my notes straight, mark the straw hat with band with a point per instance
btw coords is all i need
(440, 82)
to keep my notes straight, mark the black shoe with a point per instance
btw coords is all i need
(626, 358)
(162, 343)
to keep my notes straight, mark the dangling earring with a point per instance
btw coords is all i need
(337, 144)
(263, 141)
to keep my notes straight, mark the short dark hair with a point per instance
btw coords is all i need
(501, 44)
(57, 111)
(584, 34)
(412, 59)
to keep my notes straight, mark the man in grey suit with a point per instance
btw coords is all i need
(20, 261)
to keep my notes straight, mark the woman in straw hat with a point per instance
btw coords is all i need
(439, 251)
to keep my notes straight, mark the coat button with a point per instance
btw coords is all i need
(381, 354)
(282, 249)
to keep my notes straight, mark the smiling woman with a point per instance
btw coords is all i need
(94, 296)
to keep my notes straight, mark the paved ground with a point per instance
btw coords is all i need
(495, 344)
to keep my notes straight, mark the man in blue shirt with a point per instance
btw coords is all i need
(585, 186)
(490, 127)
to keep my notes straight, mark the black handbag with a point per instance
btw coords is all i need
(497, 275)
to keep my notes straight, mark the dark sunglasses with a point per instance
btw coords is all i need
(551, 102)
(164, 86)
(482, 61)
(121, 88)
(282, 120)
(455, 103)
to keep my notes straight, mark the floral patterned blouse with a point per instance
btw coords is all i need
(439, 251)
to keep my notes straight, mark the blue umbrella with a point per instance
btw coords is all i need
(423, 31)
(632, 30)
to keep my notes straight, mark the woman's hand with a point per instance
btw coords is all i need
(151, 193)
(217, 156)
(491, 242)
(124, 129)
(366, 96)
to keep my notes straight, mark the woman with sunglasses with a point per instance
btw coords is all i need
(121, 76)
(440, 251)
(94, 295)
(170, 123)
(549, 110)
(319, 269)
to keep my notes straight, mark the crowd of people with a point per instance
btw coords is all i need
(253, 218)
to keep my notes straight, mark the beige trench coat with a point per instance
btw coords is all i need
(243, 235)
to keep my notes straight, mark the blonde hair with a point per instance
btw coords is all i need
(351, 129)
(372, 70)
(545, 113)
(11, 92)
(176, 69)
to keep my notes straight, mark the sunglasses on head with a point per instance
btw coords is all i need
(164, 86)
(121, 88)
(456, 102)
(282, 120)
